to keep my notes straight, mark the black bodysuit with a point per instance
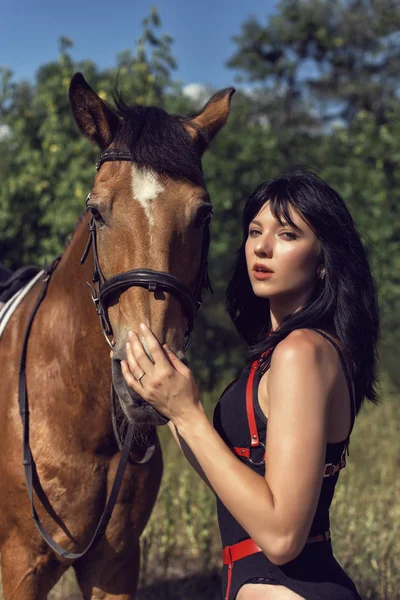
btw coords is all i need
(314, 574)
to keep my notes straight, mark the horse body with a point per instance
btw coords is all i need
(149, 215)
(72, 442)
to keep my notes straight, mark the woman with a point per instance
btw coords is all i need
(303, 297)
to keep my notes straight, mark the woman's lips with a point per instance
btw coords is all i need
(260, 275)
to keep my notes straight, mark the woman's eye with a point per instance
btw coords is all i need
(293, 235)
(253, 232)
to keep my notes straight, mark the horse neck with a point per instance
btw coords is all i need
(73, 316)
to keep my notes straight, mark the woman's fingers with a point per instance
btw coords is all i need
(137, 355)
(130, 378)
(153, 344)
(133, 364)
(163, 383)
(176, 363)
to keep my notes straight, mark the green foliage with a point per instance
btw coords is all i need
(295, 63)
(182, 535)
(323, 92)
(325, 78)
(46, 166)
(336, 57)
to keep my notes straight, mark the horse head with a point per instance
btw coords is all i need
(150, 214)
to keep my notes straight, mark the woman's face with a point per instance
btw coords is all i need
(292, 256)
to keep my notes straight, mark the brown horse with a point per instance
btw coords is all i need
(149, 208)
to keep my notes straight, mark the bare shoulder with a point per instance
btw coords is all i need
(299, 348)
(309, 351)
(309, 341)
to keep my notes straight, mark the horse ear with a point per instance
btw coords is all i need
(206, 124)
(96, 120)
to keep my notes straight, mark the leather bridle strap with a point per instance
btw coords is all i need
(151, 280)
(112, 155)
(32, 480)
(104, 289)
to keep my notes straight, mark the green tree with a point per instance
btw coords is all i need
(326, 75)
(323, 58)
(46, 166)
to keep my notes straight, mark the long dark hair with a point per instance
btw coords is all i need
(344, 303)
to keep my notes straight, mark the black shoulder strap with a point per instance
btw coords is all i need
(346, 373)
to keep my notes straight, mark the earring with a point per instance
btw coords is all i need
(320, 273)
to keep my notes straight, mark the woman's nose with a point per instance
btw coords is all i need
(261, 248)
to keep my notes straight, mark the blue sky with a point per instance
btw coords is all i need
(202, 31)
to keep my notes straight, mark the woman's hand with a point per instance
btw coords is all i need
(167, 384)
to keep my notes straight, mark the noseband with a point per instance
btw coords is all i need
(105, 290)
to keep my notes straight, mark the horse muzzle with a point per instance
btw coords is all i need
(134, 407)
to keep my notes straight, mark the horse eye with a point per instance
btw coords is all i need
(96, 215)
(203, 217)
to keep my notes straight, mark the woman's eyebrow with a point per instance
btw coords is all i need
(276, 224)
(294, 226)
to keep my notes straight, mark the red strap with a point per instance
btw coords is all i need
(228, 583)
(233, 553)
(243, 452)
(329, 470)
(254, 441)
(246, 453)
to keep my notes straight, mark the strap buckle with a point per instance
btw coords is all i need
(253, 462)
(94, 296)
(330, 469)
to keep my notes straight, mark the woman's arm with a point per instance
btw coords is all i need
(189, 454)
(276, 511)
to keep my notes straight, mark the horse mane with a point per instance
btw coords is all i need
(156, 140)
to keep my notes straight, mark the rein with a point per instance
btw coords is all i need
(101, 295)
(31, 476)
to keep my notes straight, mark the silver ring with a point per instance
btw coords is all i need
(139, 378)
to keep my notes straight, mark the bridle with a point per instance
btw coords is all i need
(102, 293)
(105, 290)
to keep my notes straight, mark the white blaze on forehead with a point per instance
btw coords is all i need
(146, 187)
